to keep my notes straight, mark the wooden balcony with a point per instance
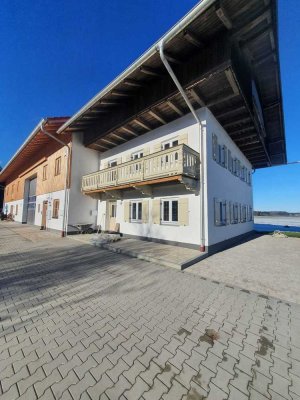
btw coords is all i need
(170, 164)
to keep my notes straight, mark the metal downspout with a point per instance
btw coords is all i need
(183, 94)
(66, 191)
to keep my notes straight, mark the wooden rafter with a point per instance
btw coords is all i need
(142, 124)
(223, 16)
(197, 97)
(150, 71)
(157, 116)
(175, 108)
(130, 131)
(192, 38)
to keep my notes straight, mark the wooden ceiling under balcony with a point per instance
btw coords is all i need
(215, 58)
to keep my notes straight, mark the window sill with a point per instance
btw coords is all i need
(169, 223)
(136, 221)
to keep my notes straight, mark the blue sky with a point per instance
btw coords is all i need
(56, 55)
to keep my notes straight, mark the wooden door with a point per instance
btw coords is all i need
(44, 214)
(112, 213)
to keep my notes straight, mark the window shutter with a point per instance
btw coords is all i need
(104, 164)
(228, 211)
(225, 157)
(183, 139)
(126, 211)
(145, 211)
(156, 147)
(215, 146)
(217, 212)
(146, 151)
(183, 211)
(156, 211)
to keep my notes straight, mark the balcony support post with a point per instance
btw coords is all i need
(160, 48)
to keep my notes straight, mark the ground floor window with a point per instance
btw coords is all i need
(169, 211)
(55, 208)
(136, 211)
(220, 212)
(17, 207)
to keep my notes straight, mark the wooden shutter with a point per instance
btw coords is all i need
(183, 211)
(156, 211)
(126, 211)
(146, 151)
(217, 212)
(214, 146)
(156, 147)
(225, 156)
(228, 210)
(104, 164)
(183, 139)
(145, 211)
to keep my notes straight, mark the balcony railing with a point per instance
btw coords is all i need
(179, 160)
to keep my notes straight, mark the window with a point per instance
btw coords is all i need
(45, 172)
(137, 155)
(249, 178)
(235, 213)
(11, 210)
(17, 209)
(220, 212)
(112, 163)
(169, 211)
(243, 213)
(136, 211)
(18, 186)
(250, 214)
(12, 189)
(57, 166)
(55, 208)
(224, 156)
(170, 143)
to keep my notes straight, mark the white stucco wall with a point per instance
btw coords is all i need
(221, 183)
(82, 208)
(18, 217)
(51, 223)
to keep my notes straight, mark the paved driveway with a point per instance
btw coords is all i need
(78, 322)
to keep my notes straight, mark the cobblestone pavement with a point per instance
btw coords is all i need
(78, 322)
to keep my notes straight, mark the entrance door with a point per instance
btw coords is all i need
(44, 214)
(112, 213)
(31, 202)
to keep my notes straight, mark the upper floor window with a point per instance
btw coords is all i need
(220, 212)
(12, 189)
(137, 155)
(57, 169)
(45, 172)
(170, 143)
(112, 163)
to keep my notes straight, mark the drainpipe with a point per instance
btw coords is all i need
(160, 48)
(66, 190)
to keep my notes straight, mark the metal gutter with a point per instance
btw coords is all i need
(187, 19)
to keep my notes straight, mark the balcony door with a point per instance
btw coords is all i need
(112, 213)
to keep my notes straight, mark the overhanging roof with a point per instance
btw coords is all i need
(31, 148)
(225, 54)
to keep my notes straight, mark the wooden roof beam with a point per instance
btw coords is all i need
(261, 60)
(109, 142)
(118, 137)
(172, 59)
(142, 124)
(110, 103)
(130, 131)
(101, 145)
(120, 93)
(232, 81)
(192, 38)
(175, 108)
(157, 116)
(266, 15)
(196, 96)
(150, 71)
(238, 121)
(231, 112)
(223, 16)
(133, 83)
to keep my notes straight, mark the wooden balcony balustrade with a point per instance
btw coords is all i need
(180, 160)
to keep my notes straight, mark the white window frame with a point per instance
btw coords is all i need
(170, 142)
(110, 162)
(221, 217)
(136, 218)
(137, 154)
(235, 216)
(169, 222)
